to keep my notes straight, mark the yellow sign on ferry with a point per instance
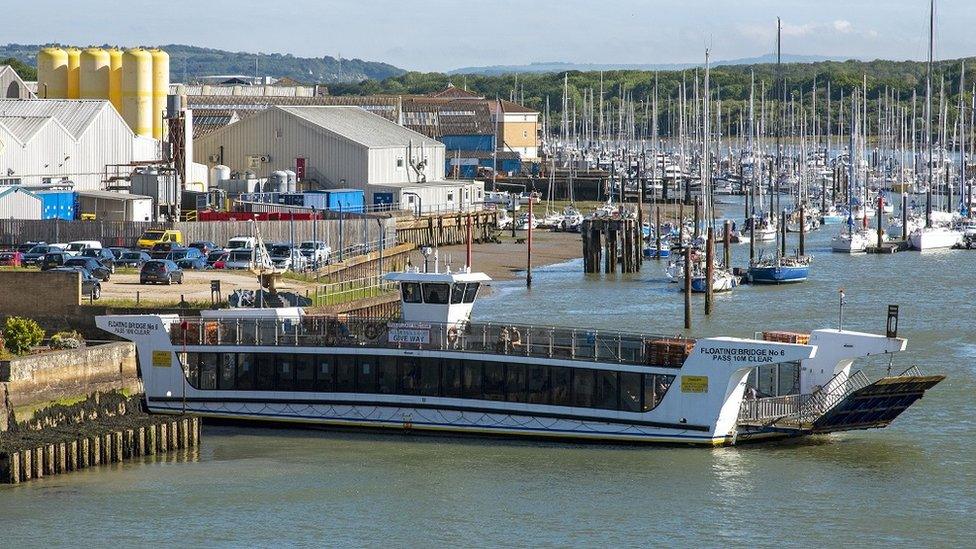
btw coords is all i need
(161, 359)
(694, 384)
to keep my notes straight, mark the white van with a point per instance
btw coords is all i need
(241, 242)
(78, 246)
(239, 258)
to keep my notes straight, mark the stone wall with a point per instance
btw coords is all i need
(33, 382)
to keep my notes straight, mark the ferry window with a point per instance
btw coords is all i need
(451, 377)
(655, 387)
(562, 379)
(411, 292)
(430, 377)
(208, 371)
(304, 372)
(583, 388)
(386, 375)
(789, 378)
(767, 380)
(366, 375)
(472, 376)
(285, 373)
(325, 373)
(471, 291)
(538, 385)
(457, 293)
(436, 294)
(605, 393)
(345, 373)
(264, 372)
(228, 365)
(409, 369)
(494, 385)
(245, 372)
(630, 392)
(515, 387)
(191, 362)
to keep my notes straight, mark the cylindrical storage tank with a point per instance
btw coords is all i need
(74, 72)
(52, 73)
(160, 84)
(292, 181)
(93, 74)
(278, 182)
(219, 173)
(115, 78)
(137, 91)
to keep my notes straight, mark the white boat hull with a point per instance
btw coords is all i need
(934, 238)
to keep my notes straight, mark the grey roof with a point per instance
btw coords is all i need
(23, 128)
(360, 126)
(74, 114)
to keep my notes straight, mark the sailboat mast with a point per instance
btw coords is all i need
(928, 115)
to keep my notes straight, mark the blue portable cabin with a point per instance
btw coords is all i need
(58, 204)
(346, 200)
(470, 142)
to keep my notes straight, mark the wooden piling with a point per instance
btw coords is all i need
(12, 466)
(528, 249)
(709, 269)
(37, 460)
(697, 229)
(904, 216)
(657, 233)
(803, 230)
(879, 215)
(782, 231)
(687, 251)
(726, 245)
(49, 463)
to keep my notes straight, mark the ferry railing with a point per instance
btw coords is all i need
(835, 390)
(492, 338)
(759, 409)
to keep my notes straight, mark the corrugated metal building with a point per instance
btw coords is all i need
(18, 203)
(112, 206)
(335, 146)
(47, 140)
(11, 85)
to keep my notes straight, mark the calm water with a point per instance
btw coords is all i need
(913, 483)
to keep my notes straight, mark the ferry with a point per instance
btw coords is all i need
(435, 370)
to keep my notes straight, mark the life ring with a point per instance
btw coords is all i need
(452, 335)
(371, 331)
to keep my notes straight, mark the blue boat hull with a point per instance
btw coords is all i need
(778, 275)
(651, 253)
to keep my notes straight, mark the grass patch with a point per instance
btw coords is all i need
(128, 303)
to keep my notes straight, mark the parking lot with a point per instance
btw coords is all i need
(196, 286)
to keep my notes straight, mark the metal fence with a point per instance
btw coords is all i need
(336, 293)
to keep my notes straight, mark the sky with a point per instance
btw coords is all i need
(439, 35)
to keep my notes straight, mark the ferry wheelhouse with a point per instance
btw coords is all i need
(436, 370)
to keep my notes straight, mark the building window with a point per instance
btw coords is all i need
(399, 162)
(450, 197)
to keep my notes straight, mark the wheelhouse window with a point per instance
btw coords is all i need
(436, 293)
(411, 292)
(471, 291)
(457, 293)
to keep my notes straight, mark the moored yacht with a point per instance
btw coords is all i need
(435, 370)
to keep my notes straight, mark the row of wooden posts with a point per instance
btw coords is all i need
(159, 437)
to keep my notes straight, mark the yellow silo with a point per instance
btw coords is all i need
(160, 64)
(137, 91)
(93, 74)
(74, 64)
(52, 73)
(115, 78)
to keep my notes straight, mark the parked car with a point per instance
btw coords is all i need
(205, 246)
(239, 259)
(11, 259)
(117, 251)
(315, 251)
(162, 249)
(36, 254)
(27, 246)
(160, 271)
(90, 286)
(217, 259)
(103, 255)
(53, 260)
(157, 236)
(133, 258)
(90, 264)
(188, 258)
(287, 256)
(78, 246)
(241, 242)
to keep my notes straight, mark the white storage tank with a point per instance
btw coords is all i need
(219, 173)
(292, 181)
(278, 182)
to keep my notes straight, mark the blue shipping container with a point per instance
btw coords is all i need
(58, 204)
(347, 200)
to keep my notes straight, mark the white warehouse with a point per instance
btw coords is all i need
(335, 146)
(47, 140)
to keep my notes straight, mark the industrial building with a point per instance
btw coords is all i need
(111, 206)
(44, 141)
(11, 85)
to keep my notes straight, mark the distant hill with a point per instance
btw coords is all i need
(194, 62)
(557, 66)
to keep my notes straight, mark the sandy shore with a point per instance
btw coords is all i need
(506, 260)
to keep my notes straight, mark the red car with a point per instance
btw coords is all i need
(11, 259)
(221, 261)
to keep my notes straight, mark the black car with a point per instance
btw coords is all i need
(161, 249)
(133, 258)
(205, 246)
(161, 271)
(90, 286)
(36, 254)
(53, 260)
(91, 265)
(117, 251)
(103, 255)
(27, 246)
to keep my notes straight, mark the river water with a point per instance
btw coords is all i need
(912, 483)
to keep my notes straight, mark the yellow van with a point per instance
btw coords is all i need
(155, 236)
